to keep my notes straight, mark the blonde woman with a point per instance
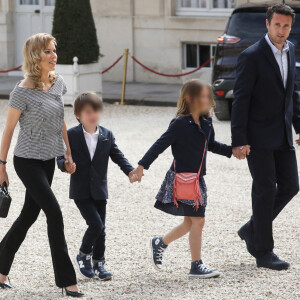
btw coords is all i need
(36, 102)
(190, 134)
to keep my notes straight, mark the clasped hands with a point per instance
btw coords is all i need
(240, 152)
(136, 174)
(69, 164)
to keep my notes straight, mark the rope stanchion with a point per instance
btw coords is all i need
(124, 75)
(107, 69)
(14, 69)
(171, 75)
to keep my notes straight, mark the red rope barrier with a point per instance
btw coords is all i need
(104, 71)
(107, 69)
(14, 69)
(171, 75)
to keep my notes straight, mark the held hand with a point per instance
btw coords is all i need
(240, 152)
(137, 174)
(70, 167)
(133, 177)
(298, 140)
(68, 157)
(3, 176)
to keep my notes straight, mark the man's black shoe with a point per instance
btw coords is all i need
(272, 261)
(245, 234)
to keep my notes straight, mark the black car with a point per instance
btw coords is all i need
(246, 26)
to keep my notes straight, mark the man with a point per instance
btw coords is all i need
(265, 107)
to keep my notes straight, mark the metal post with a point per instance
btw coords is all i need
(124, 76)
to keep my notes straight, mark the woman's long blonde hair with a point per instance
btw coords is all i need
(33, 49)
(193, 88)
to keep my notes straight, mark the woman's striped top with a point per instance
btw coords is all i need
(41, 121)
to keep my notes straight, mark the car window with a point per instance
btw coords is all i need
(247, 24)
(253, 24)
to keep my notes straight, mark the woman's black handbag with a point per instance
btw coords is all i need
(5, 200)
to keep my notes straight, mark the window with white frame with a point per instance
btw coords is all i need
(198, 6)
(37, 2)
(195, 55)
(49, 2)
(29, 2)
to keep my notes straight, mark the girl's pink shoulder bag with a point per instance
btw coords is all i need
(186, 185)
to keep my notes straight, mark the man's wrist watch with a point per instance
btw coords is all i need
(3, 162)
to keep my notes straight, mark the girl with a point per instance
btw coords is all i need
(190, 134)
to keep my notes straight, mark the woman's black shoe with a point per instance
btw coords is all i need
(6, 285)
(73, 294)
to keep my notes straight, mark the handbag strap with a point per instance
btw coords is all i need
(4, 187)
(202, 158)
(198, 174)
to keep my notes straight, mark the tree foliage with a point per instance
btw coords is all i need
(75, 32)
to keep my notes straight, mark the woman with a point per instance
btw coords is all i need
(36, 102)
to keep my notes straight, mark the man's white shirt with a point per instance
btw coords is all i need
(281, 58)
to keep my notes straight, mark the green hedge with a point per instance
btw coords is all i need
(75, 32)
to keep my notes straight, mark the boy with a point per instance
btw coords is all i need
(91, 147)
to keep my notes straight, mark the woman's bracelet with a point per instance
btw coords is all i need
(3, 162)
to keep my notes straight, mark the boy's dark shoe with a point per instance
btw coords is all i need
(200, 270)
(271, 261)
(157, 250)
(85, 265)
(246, 235)
(100, 271)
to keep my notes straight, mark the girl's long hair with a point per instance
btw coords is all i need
(193, 88)
(33, 49)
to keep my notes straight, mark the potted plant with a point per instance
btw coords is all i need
(77, 47)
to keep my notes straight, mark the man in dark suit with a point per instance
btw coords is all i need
(265, 107)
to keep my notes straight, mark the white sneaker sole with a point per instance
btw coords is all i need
(211, 275)
(152, 258)
(107, 278)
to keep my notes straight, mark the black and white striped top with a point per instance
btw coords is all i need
(41, 121)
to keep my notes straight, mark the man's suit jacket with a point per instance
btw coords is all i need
(90, 178)
(263, 111)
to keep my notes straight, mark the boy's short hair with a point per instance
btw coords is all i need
(88, 98)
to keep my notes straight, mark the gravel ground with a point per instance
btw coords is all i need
(132, 220)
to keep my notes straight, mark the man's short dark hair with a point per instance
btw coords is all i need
(281, 9)
(84, 99)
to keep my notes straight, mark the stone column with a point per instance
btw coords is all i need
(6, 34)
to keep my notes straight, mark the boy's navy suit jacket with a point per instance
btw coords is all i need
(90, 178)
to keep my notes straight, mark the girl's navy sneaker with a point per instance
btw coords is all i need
(200, 270)
(85, 265)
(100, 271)
(158, 248)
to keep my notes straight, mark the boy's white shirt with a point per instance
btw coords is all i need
(91, 140)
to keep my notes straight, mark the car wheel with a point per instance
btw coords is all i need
(223, 110)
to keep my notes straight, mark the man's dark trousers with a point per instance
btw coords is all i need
(275, 183)
(94, 213)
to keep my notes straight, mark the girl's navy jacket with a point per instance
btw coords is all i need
(187, 141)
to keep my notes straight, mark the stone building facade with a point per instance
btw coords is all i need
(170, 36)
